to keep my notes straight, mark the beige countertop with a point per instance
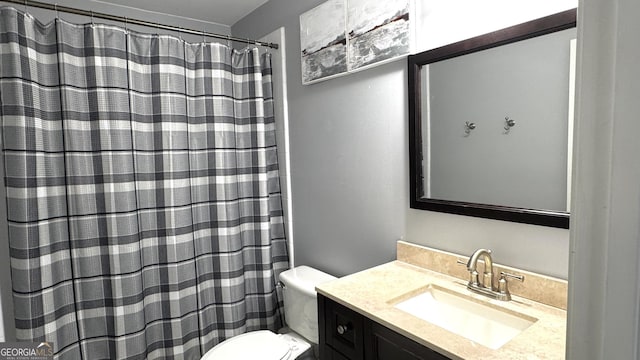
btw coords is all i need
(375, 291)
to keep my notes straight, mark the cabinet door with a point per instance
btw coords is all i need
(384, 344)
(341, 329)
(330, 354)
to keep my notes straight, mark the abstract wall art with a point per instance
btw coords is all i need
(377, 31)
(343, 36)
(323, 41)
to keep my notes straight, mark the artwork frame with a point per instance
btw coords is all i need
(339, 37)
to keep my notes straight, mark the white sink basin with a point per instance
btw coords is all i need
(484, 324)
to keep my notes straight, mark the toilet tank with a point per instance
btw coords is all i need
(300, 303)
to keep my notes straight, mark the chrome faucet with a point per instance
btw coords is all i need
(486, 286)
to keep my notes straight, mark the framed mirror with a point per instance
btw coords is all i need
(490, 124)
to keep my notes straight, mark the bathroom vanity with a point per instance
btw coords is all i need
(346, 334)
(419, 307)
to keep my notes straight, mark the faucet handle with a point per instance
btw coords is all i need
(512, 276)
(502, 283)
(473, 275)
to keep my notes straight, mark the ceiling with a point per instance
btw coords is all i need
(224, 12)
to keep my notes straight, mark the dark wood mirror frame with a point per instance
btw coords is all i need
(556, 22)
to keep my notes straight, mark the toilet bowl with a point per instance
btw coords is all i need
(301, 316)
(262, 344)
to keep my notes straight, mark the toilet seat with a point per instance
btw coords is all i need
(261, 344)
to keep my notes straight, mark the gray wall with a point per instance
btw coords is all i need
(350, 175)
(348, 139)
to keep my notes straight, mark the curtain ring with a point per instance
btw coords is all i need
(204, 39)
(229, 43)
(126, 24)
(25, 6)
(55, 6)
(92, 23)
(258, 44)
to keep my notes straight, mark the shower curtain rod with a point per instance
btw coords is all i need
(127, 20)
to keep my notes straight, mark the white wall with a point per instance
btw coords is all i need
(281, 109)
(445, 18)
(604, 277)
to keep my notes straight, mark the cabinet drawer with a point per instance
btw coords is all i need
(343, 329)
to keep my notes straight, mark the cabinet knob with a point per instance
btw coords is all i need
(342, 329)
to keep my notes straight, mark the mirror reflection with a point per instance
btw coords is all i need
(490, 124)
(496, 124)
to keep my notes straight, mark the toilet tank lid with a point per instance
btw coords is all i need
(304, 278)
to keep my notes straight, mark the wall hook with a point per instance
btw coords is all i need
(508, 124)
(468, 126)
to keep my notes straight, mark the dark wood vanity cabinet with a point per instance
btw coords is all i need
(340, 331)
(347, 335)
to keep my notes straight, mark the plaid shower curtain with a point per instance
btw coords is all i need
(144, 209)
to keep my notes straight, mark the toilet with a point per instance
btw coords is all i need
(301, 317)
